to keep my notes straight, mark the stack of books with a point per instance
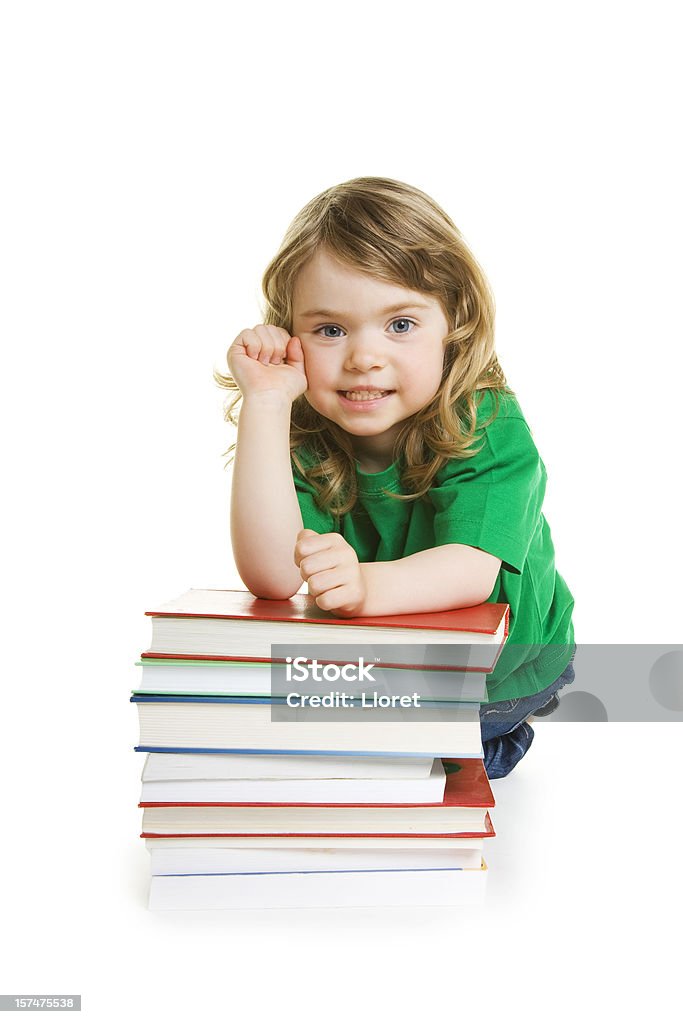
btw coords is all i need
(269, 784)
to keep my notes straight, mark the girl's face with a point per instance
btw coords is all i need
(373, 352)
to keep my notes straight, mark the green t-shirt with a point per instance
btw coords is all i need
(491, 501)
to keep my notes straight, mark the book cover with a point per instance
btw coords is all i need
(240, 604)
(217, 624)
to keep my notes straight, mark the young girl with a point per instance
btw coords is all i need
(381, 457)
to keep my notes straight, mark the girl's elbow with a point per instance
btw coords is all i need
(273, 593)
(486, 581)
(271, 589)
(483, 595)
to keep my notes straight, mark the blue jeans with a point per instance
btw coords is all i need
(505, 734)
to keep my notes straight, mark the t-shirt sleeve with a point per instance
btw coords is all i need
(493, 499)
(314, 518)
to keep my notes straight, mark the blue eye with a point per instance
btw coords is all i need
(403, 320)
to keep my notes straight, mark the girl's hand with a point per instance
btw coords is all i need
(331, 568)
(268, 359)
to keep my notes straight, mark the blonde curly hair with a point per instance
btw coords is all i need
(397, 233)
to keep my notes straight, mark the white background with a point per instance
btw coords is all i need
(154, 154)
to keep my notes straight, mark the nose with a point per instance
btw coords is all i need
(365, 351)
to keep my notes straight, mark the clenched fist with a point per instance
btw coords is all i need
(266, 358)
(331, 568)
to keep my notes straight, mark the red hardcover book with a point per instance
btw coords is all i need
(467, 785)
(467, 790)
(235, 625)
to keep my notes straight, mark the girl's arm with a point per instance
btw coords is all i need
(264, 514)
(448, 576)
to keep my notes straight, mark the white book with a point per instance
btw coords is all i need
(430, 888)
(312, 791)
(166, 767)
(253, 679)
(292, 819)
(203, 861)
(188, 727)
(368, 842)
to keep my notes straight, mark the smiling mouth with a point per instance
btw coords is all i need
(364, 396)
